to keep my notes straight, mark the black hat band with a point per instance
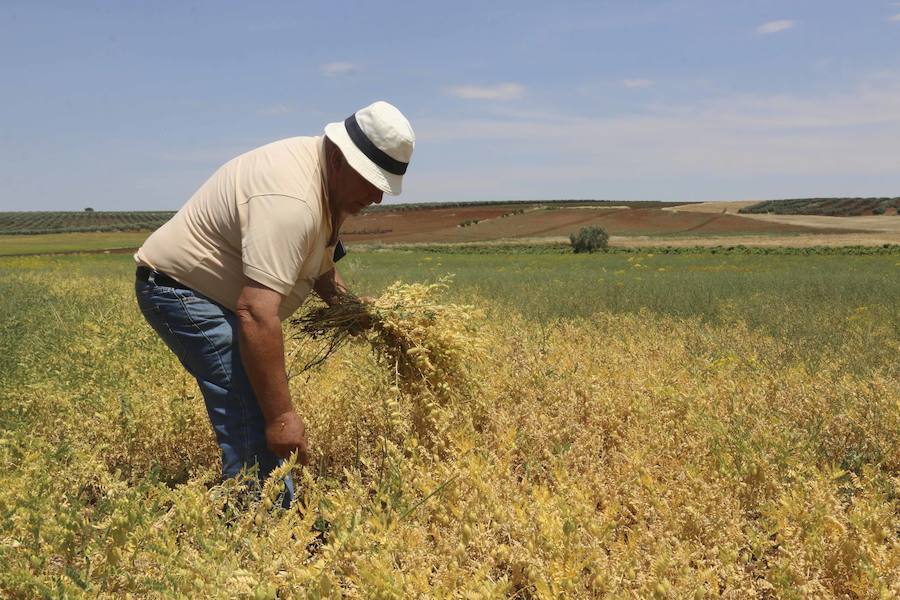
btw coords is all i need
(373, 152)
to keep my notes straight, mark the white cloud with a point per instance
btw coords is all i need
(895, 18)
(335, 69)
(637, 83)
(500, 91)
(273, 111)
(853, 133)
(775, 26)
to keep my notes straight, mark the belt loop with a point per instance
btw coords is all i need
(151, 278)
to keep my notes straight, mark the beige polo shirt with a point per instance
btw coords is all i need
(262, 216)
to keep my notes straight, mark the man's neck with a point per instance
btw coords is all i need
(337, 215)
(337, 218)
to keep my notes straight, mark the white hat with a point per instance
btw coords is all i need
(378, 142)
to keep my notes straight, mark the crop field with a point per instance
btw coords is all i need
(93, 241)
(481, 223)
(630, 224)
(30, 223)
(842, 207)
(57, 222)
(624, 425)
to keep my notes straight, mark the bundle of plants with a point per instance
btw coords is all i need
(428, 346)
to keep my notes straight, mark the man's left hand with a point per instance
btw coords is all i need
(364, 321)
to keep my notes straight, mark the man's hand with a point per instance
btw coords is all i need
(330, 287)
(364, 322)
(286, 433)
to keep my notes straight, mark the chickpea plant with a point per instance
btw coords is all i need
(612, 455)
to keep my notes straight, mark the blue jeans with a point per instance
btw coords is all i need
(204, 336)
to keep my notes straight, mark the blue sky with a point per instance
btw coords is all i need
(132, 105)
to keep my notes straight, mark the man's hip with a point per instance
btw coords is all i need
(201, 332)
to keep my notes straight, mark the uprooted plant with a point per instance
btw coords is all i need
(429, 348)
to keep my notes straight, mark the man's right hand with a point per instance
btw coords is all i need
(286, 433)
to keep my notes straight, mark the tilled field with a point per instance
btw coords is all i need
(456, 225)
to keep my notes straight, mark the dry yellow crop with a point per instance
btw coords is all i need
(474, 455)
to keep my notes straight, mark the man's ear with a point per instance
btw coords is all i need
(336, 160)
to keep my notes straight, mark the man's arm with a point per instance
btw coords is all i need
(262, 354)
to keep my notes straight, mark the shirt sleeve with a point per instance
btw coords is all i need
(276, 235)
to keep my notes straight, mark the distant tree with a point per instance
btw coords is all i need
(88, 209)
(589, 239)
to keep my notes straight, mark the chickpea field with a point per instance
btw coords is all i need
(623, 425)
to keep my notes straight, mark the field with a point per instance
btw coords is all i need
(842, 207)
(30, 223)
(869, 230)
(471, 224)
(633, 424)
(13, 245)
(630, 224)
(49, 222)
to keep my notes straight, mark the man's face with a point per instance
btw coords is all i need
(352, 191)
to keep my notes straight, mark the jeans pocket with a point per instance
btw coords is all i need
(194, 297)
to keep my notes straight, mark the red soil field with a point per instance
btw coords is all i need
(398, 225)
(443, 224)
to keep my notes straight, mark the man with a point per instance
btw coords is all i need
(217, 279)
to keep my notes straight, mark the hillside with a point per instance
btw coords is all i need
(44, 222)
(830, 207)
(485, 223)
(629, 224)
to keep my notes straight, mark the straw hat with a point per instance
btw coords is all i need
(378, 142)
